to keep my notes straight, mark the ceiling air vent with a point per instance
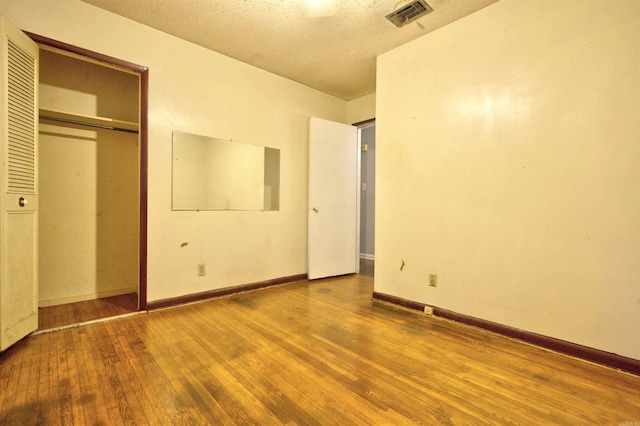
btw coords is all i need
(409, 12)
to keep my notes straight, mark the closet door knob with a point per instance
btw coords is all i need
(22, 202)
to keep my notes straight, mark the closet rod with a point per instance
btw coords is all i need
(82, 123)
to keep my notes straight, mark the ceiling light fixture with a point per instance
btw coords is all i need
(320, 8)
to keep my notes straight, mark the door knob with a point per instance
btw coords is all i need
(315, 210)
(22, 202)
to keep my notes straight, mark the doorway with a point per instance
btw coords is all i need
(367, 137)
(93, 143)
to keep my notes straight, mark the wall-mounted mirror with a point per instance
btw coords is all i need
(218, 174)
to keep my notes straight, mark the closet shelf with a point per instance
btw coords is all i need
(88, 120)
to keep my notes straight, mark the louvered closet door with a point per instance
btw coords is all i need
(18, 185)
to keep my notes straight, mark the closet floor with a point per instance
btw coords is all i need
(73, 313)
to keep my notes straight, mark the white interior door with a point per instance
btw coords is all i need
(18, 185)
(333, 191)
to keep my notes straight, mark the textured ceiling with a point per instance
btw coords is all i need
(331, 47)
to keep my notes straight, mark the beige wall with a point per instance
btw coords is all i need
(508, 164)
(198, 91)
(361, 109)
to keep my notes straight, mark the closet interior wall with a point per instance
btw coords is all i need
(89, 183)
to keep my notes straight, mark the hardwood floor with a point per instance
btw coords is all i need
(73, 313)
(367, 267)
(308, 353)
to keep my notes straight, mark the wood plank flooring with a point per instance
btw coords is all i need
(311, 353)
(367, 267)
(73, 313)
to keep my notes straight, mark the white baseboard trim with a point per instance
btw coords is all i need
(367, 256)
(85, 297)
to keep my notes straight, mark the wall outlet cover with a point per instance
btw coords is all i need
(202, 269)
(433, 280)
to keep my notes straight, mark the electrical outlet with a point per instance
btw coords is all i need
(428, 310)
(202, 269)
(433, 280)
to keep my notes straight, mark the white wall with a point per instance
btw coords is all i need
(194, 90)
(508, 164)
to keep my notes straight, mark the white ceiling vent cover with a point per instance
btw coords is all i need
(409, 12)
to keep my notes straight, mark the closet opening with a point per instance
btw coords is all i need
(93, 185)
(366, 204)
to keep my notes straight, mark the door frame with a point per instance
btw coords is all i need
(143, 133)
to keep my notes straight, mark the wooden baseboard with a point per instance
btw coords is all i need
(196, 297)
(609, 359)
